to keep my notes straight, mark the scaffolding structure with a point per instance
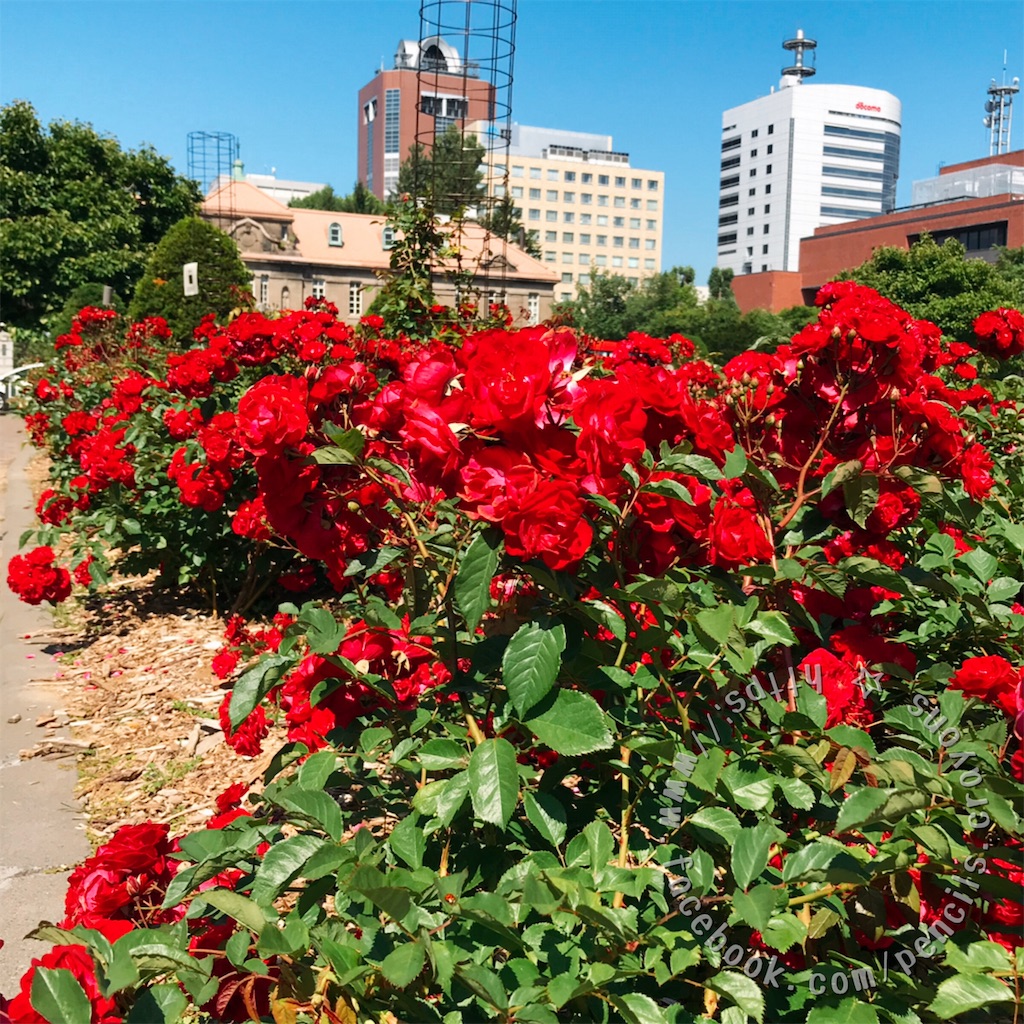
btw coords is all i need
(211, 161)
(464, 74)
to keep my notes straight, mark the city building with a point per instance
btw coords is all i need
(979, 202)
(799, 158)
(277, 188)
(430, 73)
(295, 253)
(591, 210)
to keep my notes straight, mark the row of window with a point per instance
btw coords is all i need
(568, 217)
(586, 260)
(585, 177)
(586, 198)
(586, 237)
(853, 172)
(318, 289)
(734, 142)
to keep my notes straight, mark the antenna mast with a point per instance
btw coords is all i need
(999, 113)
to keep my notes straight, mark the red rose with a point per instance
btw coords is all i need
(272, 415)
(1000, 333)
(78, 961)
(737, 536)
(990, 678)
(34, 577)
(549, 524)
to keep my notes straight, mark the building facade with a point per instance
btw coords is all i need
(429, 75)
(980, 203)
(591, 210)
(802, 157)
(294, 254)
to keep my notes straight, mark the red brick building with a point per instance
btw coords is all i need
(982, 205)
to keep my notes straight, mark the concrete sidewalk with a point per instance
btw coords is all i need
(42, 832)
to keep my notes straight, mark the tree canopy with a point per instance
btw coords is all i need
(223, 278)
(942, 284)
(359, 200)
(76, 208)
(448, 177)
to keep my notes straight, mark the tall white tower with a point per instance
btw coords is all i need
(799, 158)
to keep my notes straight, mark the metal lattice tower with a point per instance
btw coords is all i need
(799, 46)
(211, 160)
(464, 74)
(999, 115)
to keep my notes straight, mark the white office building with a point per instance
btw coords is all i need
(800, 158)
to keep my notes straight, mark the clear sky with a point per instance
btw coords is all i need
(283, 75)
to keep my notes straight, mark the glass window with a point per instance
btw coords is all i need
(566, 296)
(264, 290)
(764, 267)
(634, 223)
(648, 264)
(768, 208)
(751, 192)
(602, 179)
(634, 243)
(652, 204)
(585, 238)
(319, 288)
(552, 174)
(355, 299)
(533, 306)
(651, 225)
(534, 172)
(767, 190)
(750, 211)
(616, 261)
(334, 234)
(620, 182)
(569, 197)
(602, 239)
(601, 260)
(568, 237)
(585, 259)
(517, 170)
(517, 191)
(586, 179)
(766, 229)
(549, 257)
(567, 257)
(768, 169)
(568, 218)
(771, 129)
(618, 222)
(764, 250)
(753, 153)
(652, 184)
(633, 262)
(569, 176)
(634, 204)
(585, 218)
(602, 200)
(535, 193)
(636, 182)
(649, 243)
(619, 202)
(750, 231)
(586, 198)
(769, 150)
(753, 134)
(551, 195)
(499, 190)
(551, 215)
(550, 236)
(602, 220)
(534, 214)
(567, 277)
(753, 172)
(584, 279)
(618, 241)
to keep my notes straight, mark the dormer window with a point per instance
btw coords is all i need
(387, 238)
(334, 234)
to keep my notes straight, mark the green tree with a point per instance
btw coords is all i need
(600, 308)
(940, 283)
(76, 208)
(223, 278)
(359, 200)
(720, 283)
(504, 222)
(448, 177)
(90, 294)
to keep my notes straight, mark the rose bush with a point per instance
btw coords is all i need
(583, 636)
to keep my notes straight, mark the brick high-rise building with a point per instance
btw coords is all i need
(430, 74)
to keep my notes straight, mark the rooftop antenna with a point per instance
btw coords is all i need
(999, 113)
(798, 71)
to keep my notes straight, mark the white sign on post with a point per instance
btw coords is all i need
(190, 278)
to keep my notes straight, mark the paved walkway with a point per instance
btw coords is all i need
(41, 829)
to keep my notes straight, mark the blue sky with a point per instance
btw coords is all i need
(655, 74)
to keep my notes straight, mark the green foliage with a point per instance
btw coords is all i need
(359, 200)
(504, 222)
(223, 278)
(720, 283)
(942, 284)
(76, 208)
(448, 177)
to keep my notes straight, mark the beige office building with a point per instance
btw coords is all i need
(591, 210)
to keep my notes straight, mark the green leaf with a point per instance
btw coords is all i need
(408, 842)
(161, 1003)
(546, 815)
(494, 781)
(473, 582)
(392, 899)
(773, 627)
(861, 496)
(316, 807)
(755, 907)
(323, 631)
(797, 793)
(57, 996)
(254, 684)
(637, 1008)
(967, 992)
(530, 664)
(860, 806)
(750, 853)
(783, 932)
(573, 723)
(281, 864)
(402, 965)
(248, 914)
(669, 489)
(897, 804)
(717, 622)
(735, 463)
(849, 1011)
(316, 770)
(440, 754)
(981, 563)
(745, 993)
(716, 824)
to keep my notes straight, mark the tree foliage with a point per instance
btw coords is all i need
(88, 294)
(448, 176)
(942, 284)
(76, 208)
(359, 200)
(505, 222)
(223, 278)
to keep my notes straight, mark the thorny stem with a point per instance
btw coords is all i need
(627, 811)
